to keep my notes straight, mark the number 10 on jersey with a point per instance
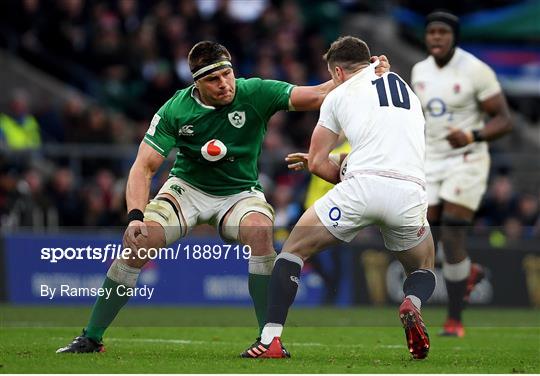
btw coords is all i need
(398, 91)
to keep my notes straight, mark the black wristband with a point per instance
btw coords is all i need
(477, 137)
(135, 215)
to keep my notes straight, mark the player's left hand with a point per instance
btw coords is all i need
(297, 161)
(384, 64)
(457, 138)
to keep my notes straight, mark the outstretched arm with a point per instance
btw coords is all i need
(310, 98)
(299, 161)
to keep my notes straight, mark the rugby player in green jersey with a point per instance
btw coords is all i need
(218, 126)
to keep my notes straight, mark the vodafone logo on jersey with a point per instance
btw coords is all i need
(213, 150)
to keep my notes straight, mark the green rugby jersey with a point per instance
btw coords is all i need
(218, 148)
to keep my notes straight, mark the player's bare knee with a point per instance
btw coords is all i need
(258, 238)
(422, 256)
(156, 235)
(256, 231)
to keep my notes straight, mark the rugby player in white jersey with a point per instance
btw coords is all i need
(456, 90)
(385, 186)
(217, 125)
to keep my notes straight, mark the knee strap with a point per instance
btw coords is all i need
(164, 212)
(231, 230)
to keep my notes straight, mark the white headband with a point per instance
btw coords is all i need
(204, 71)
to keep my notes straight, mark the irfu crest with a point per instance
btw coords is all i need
(237, 118)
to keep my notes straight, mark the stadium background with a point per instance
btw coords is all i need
(92, 74)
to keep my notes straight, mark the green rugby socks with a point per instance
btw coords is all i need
(104, 311)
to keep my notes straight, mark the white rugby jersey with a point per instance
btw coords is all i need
(383, 121)
(450, 97)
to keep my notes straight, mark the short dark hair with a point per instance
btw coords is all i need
(447, 18)
(348, 52)
(205, 53)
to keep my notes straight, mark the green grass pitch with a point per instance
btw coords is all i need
(321, 340)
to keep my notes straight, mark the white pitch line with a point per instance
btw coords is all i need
(191, 342)
(157, 340)
(391, 346)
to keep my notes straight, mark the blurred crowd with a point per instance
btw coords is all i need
(517, 214)
(132, 54)
(129, 57)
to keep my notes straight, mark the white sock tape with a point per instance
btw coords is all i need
(290, 257)
(262, 265)
(457, 272)
(123, 274)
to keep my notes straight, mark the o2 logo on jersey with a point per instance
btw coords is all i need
(436, 107)
(335, 215)
(214, 150)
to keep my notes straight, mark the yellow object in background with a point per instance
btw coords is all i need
(318, 187)
(20, 136)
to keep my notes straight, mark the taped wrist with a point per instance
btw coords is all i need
(477, 136)
(135, 215)
(334, 157)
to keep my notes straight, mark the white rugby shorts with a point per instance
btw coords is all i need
(460, 180)
(198, 207)
(398, 207)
